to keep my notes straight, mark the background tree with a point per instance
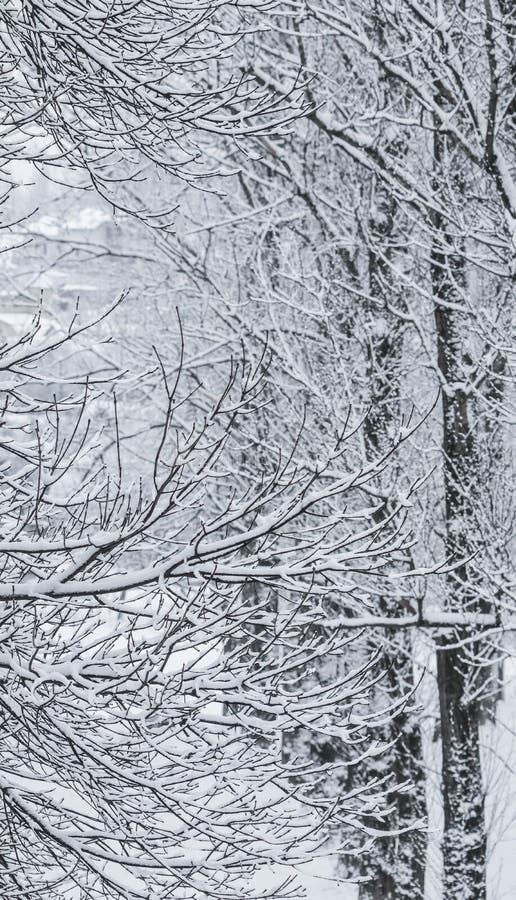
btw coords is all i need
(405, 277)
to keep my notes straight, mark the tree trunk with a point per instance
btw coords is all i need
(464, 840)
(396, 866)
(464, 843)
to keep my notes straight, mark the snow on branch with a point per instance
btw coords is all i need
(116, 86)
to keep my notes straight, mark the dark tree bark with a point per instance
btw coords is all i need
(396, 867)
(464, 839)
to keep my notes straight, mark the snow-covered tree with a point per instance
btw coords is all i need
(371, 245)
(141, 756)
